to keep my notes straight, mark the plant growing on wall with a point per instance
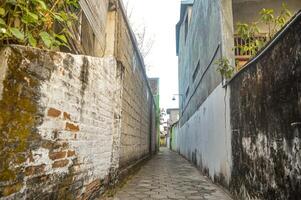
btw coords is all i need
(37, 23)
(249, 32)
(225, 68)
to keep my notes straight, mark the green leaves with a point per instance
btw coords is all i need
(267, 15)
(47, 39)
(2, 22)
(41, 3)
(252, 40)
(17, 33)
(32, 41)
(33, 22)
(224, 68)
(2, 11)
(62, 38)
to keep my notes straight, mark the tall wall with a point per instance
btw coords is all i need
(245, 134)
(59, 113)
(204, 134)
(93, 26)
(192, 53)
(70, 124)
(138, 104)
(265, 118)
(205, 139)
(206, 41)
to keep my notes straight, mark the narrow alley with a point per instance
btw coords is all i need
(169, 176)
(150, 99)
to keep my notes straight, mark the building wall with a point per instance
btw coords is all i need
(265, 118)
(205, 139)
(174, 137)
(248, 10)
(204, 135)
(137, 101)
(245, 134)
(90, 30)
(70, 124)
(207, 41)
(58, 120)
(155, 87)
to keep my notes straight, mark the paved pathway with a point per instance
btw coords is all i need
(169, 176)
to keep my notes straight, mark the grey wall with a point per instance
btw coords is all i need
(204, 133)
(205, 139)
(205, 44)
(265, 118)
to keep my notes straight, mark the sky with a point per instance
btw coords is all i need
(159, 17)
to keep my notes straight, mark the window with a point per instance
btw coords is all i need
(196, 71)
(187, 92)
(186, 26)
(187, 20)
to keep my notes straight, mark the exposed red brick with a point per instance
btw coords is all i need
(52, 112)
(72, 127)
(67, 116)
(60, 163)
(57, 155)
(33, 170)
(71, 153)
(91, 189)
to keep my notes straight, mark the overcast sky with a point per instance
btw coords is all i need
(160, 18)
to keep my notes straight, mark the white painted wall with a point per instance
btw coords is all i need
(208, 132)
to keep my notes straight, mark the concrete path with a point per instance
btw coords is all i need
(169, 176)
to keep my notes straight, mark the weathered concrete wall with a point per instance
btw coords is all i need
(57, 110)
(247, 11)
(208, 39)
(205, 139)
(204, 135)
(265, 118)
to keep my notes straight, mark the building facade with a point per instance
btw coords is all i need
(208, 132)
(202, 38)
(73, 125)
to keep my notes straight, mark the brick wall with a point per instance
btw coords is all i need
(93, 26)
(69, 124)
(137, 102)
(59, 116)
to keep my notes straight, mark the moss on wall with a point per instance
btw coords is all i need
(17, 121)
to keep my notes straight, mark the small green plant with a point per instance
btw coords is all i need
(37, 23)
(224, 68)
(249, 32)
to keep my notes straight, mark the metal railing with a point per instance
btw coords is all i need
(238, 42)
(243, 56)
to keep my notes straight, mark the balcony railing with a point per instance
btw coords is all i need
(242, 56)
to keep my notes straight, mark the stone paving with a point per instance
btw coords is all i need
(169, 176)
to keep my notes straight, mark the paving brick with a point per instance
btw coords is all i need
(160, 179)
